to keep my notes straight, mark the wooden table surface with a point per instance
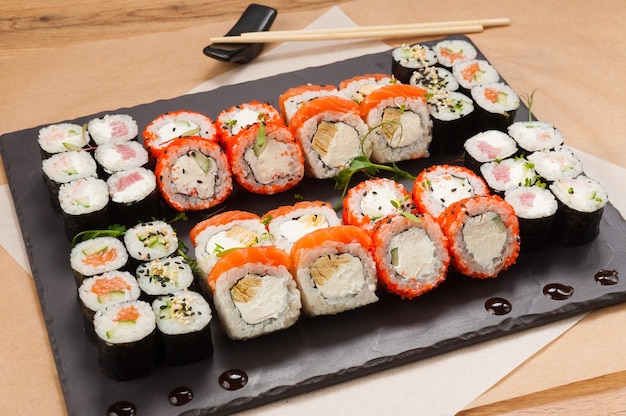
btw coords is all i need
(28, 27)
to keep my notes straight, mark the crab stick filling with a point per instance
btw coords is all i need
(195, 174)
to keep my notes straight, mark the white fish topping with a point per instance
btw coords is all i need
(484, 236)
(413, 253)
(260, 297)
(243, 118)
(170, 131)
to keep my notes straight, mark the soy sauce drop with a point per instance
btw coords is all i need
(558, 291)
(607, 277)
(180, 396)
(233, 379)
(122, 408)
(498, 306)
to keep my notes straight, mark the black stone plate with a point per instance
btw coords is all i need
(315, 352)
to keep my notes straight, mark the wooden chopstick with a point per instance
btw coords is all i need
(363, 32)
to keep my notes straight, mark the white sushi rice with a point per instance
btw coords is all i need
(125, 284)
(83, 196)
(358, 89)
(486, 73)
(151, 240)
(113, 331)
(581, 193)
(131, 185)
(114, 157)
(414, 56)
(534, 136)
(557, 163)
(507, 100)
(451, 106)
(454, 51)
(164, 276)
(490, 145)
(67, 166)
(508, 173)
(79, 255)
(531, 202)
(434, 79)
(113, 128)
(275, 304)
(62, 137)
(182, 312)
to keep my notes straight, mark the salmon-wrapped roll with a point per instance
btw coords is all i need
(334, 270)
(411, 254)
(483, 235)
(293, 98)
(400, 122)
(360, 86)
(331, 133)
(193, 174)
(254, 292)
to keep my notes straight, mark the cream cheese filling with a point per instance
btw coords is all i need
(484, 237)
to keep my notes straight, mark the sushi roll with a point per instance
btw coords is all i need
(193, 174)
(372, 200)
(61, 137)
(293, 98)
(65, 167)
(231, 122)
(169, 127)
(113, 128)
(508, 173)
(454, 122)
(115, 157)
(438, 186)
(400, 124)
(84, 205)
(474, 72)
(533, 136)
(405, 59)
(96, 256)
(183, 327)
(126, 334)
(254, 292)
(483, 235)
(497, 105)
(557, 163)
(331, 133)
(164, 276)
(286, 224)
(360, 86)
(150, 240)
(434, 79)
(536, 209)
(134, 196)
(265, 158)
(453, 51)
(581, 205)
(334, 270)
(98, 292)
(487, 146)
(411, 254)
(217, 235)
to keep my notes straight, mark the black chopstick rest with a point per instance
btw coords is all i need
(256, 18)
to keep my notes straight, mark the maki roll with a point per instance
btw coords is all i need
(554, 164)
(292, 99)
(96, 256)
(65, 167)
(360, 86)
(331, 133)
(183, 323)
(399, 123)
(483, 235)
(84, 205)
(150, 240)
(217, 235)
(126, 334)
(437, 187)
(533, 136)
(334, 270)
(193, 174)
(254, 292)
(453, 119)
(581, 205)
(115, 157)
(164, 276)
(98, 292)
(374, 199)
(406, 59)
(134, 196)
(497, 105)
(61, 137)
(170, 127)
(112, 128)
(487, 146)
(286, 224)
(453, 51)
(434, 79)
(411, 254)
(474, 72)
(536, 209)
(508, 173)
